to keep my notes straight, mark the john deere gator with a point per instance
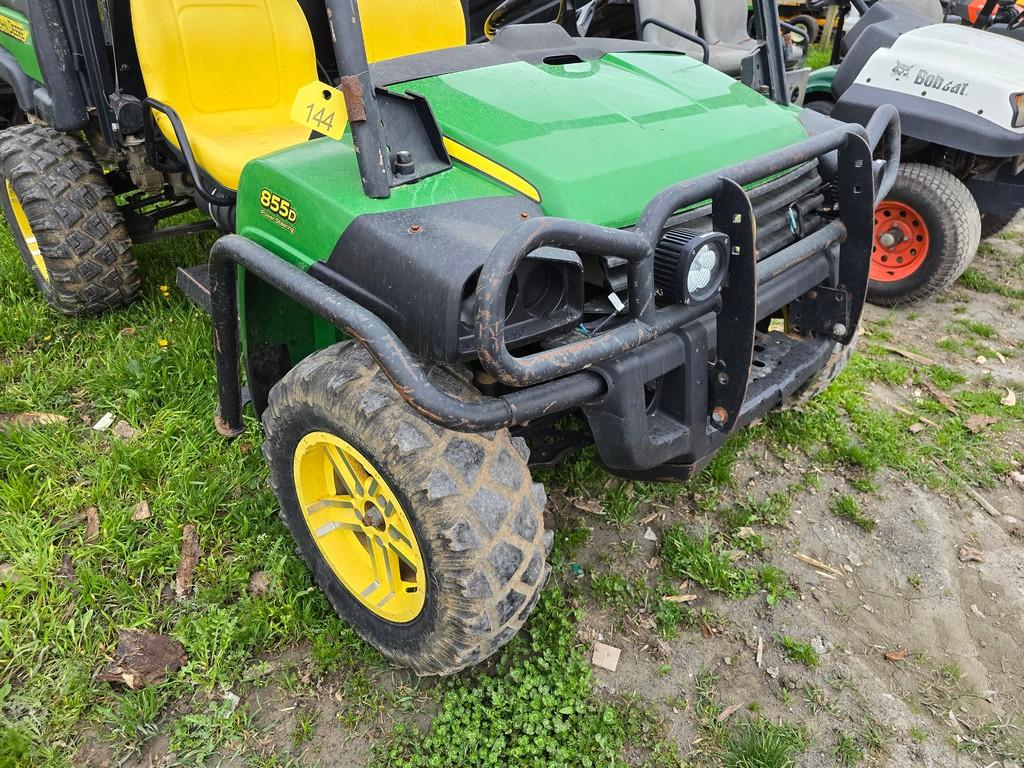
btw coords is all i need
(437, 257)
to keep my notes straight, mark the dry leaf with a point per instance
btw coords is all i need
(971, 555)
(259, 583)
(92, 524)
(15, 420)
(917, 427)
(979, 421)
(1011, 398)
(589, 505)
(67, 567)
(189, 557)
(899, 655)
(680, 598)
(981, 359)
(1001, 358)
(124, 431)
(142, 512)
(7, 572)
(143, 658)
(728, 712)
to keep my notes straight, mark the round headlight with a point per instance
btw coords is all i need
(704, 270)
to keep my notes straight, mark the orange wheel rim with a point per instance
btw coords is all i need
(900, 243)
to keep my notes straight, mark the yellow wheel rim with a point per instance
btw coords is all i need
(26, 232)
(360, 527)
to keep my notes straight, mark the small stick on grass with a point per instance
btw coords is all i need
(814, 563)
(189, 557)
(982, 501)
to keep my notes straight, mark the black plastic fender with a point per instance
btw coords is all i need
(61, 102)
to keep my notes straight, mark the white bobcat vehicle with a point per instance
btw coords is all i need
(960, 94)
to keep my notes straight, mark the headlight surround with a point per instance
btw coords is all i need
(545, 296)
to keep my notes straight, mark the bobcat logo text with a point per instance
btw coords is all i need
(939, 83)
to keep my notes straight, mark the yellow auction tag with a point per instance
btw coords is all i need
(321, 108)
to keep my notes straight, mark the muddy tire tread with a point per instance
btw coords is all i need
(490, 568)
(74, 218)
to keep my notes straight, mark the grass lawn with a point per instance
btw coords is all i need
(65, 590)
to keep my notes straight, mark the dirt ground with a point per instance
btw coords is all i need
(919, 623)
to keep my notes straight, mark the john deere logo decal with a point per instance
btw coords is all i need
(939, 83)
(901, 70)
(13, 29)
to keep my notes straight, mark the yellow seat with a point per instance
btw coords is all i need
(231, 68)
(395, 28)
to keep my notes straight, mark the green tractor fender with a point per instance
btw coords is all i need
(819, 86)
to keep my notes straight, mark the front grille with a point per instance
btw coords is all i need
(795, 198)
(801, 191)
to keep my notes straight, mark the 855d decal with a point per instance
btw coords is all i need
(278, 210)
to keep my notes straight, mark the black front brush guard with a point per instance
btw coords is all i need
(557, 380)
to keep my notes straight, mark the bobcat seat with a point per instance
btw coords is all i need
(231, 69)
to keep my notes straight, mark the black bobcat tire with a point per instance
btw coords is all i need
(994, 223)
(808, 23)
(954, 231)
(70, 209)
(822, 380)
(476, 514)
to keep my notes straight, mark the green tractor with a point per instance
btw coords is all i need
(443, 264)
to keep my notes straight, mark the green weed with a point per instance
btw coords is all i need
(848, 508)
(798, 651)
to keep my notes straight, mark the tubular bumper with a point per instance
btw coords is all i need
(584, 373)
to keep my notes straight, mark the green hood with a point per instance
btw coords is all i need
(599, 139)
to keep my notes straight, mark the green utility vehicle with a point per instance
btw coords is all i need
(434, 254)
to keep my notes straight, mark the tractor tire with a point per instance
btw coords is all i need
(933, 228)
(822, 380)
(466, 522)
(808, 23)
(65, 221)
(994, 223)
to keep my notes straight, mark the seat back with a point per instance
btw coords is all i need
(929, 9)
(724, 21)
(679, 13)
(229, 65)
(394, 28)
